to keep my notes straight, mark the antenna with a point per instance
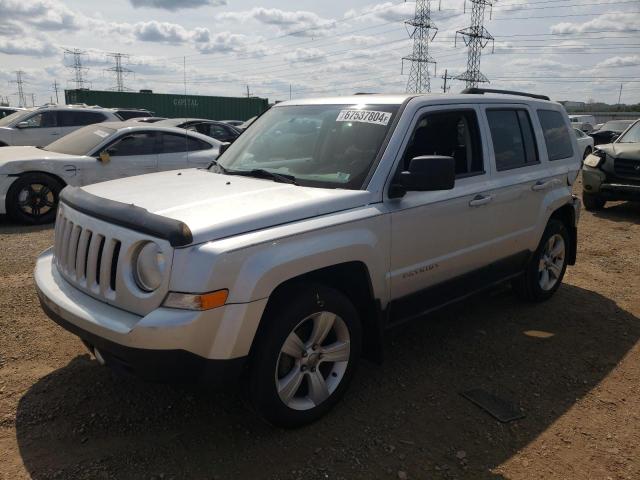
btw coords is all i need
(419, 78)
(79, 70)
(119, 71)
(475, 37)
(19, 81)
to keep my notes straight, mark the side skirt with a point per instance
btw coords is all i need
(433, 298)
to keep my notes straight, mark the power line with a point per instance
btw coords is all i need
(119, 71)
(419, 79)
(78, 69)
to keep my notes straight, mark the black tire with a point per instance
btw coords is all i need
(593, 201)
(40, 205)
(587, 152)
(283, 317)
(528, 286)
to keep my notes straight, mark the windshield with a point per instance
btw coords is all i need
(82, 141)
(331, 146)
(616, 126)
(632, 135)
(11, 118)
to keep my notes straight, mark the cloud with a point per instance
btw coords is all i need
(298, 23)
(618, 22)
(27, 46)
(174, 5)
(305, 55)
(387, 11)
(44, 14)
(630, 61)
(223, 42)
(164, 32)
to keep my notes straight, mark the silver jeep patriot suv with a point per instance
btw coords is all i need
(327, 222)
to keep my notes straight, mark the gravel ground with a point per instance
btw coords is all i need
(572, 365)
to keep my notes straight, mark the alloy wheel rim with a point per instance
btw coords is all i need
(36, 199)
(313, 361)
(551, 262)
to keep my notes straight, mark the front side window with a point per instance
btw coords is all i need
(42, 120)
(174, 143)
(140, 143)
(512, 137)
(451, 134)
(330, 146)
(556, 134)
(632, 135)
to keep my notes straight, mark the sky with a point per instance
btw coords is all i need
(581, 50)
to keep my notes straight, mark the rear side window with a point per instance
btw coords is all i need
(556, 134)
(78, 119)
(173, 143)
(513, 140)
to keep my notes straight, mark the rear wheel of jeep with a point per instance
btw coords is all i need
(543, 275)
(33, 198)
(305, 356)
(593, 201)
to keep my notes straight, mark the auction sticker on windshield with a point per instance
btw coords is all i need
(101, 133)
(364, 116)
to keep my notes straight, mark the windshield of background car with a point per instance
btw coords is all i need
(6, 121)
(82, 141)
(632, 135)
(329, 146)
(618, 126)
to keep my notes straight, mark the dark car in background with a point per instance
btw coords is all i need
(221, 131)
(609, 131)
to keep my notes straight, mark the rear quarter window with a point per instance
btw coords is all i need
(556, 134)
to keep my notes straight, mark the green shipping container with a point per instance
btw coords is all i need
(174, 106)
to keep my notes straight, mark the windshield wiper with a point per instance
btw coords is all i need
(262, 173)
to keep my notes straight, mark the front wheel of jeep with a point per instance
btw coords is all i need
(305, 355)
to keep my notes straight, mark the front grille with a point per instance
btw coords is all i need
(627, 168)
(87, 258)
(95, 256)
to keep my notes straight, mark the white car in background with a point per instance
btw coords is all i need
(41, 126)
(31, 178)
(583, 122)
(585, 142)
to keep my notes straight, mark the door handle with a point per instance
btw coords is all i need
(540, 185)
(480, 200)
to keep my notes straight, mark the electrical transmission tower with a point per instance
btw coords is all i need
(78, 69)
(424, 31)
(475, 37)
(19, 81)
(120, 71)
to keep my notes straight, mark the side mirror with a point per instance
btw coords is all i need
(23, 125)
(429, 173)
(104, 156)
(224, 146)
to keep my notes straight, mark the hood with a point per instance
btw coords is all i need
(19, 154)
(630, 151)
(215, 206)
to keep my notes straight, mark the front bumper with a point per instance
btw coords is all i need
(166, 344)
(598, 182)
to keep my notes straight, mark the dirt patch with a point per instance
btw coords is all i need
(572, 365)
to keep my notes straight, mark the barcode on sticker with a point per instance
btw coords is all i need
(364, 116)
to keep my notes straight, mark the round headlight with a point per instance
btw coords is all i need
(150, 265)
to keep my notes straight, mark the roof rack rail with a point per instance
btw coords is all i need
(481, 91)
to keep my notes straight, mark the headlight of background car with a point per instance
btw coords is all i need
(595, 159)
(150, 265)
